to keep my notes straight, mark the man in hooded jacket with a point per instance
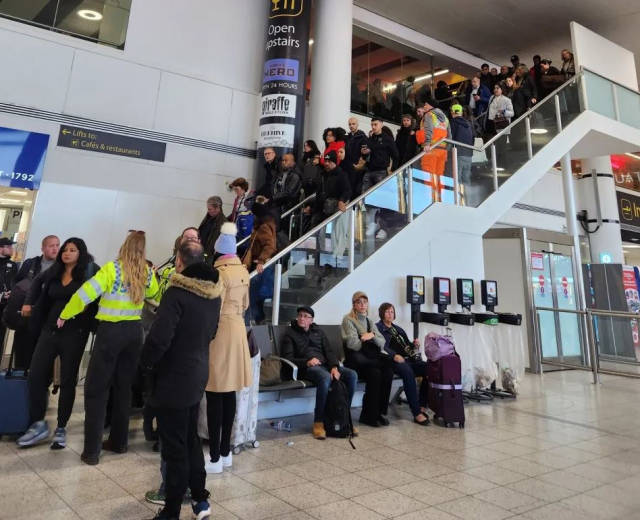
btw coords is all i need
(176, 358)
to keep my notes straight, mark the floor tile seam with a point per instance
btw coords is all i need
(546, 502)
(128, 494)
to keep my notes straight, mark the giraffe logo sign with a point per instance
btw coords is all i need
(290, 8)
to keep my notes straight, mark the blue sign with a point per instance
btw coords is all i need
(606, 258)
(281, 69)
(22, 157)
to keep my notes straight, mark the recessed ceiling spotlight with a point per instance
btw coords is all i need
(539, 131)
(88, 14)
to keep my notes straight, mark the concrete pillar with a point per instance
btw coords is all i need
(601, 196)
(330, 101)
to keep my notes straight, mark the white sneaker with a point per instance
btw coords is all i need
(227, 461)
(382, 235)
(213, 467)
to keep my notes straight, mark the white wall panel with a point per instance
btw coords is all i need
(193, 108)
(159, 217)
(220, 42)
(244, 108)
(112, 90)
(41, 84)
(69, 211)
(195, 159)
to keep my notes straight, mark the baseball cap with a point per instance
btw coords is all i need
(6, 242)
(456, 109)
(359, 294)
(307, 309)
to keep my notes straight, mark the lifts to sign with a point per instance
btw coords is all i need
(112, 144)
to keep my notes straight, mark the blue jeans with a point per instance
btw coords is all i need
(408, 372)
(321, 377)
(260, 289)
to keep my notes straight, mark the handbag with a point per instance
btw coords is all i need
(270, 371)
(369, 353)
(330, 207)
(500, 123)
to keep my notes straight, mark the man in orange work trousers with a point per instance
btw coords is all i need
(433, 127)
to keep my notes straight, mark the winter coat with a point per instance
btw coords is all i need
(34, 263)
(523, 95)
(286, 188)
(210, 231)
(263, 244)
(383, 151)
(333, 185)
(240, 204)
(462, 132)
(386, 334)
(310, 177)
(481, 105)
(500, 104)
(176, 350)
(229, 359)
(403, 139)
(300, 346)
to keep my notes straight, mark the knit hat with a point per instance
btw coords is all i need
(434, 103)
(359, 294)
(226, 243)
(331, 157)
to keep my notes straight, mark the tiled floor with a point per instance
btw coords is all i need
(565, 450)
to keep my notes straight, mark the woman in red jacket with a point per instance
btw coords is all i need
(334, 139)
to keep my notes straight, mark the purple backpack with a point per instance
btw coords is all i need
(437, 346)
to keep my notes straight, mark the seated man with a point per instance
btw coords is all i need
(306, 345)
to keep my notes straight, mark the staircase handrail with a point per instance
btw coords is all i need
(352, 204)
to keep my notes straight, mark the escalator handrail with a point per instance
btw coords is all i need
(294, 245)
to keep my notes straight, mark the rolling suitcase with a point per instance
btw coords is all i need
(245, 423)
(14, 400)
(445, 390)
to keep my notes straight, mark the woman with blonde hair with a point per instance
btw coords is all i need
(365, 353)
(122, 286)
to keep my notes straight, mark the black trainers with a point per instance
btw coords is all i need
(108, 446)
(162, 516)
(90, 460)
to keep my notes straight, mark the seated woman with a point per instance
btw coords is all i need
(407, 363)
(365, 354)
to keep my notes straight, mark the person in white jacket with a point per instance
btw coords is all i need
(499, 117)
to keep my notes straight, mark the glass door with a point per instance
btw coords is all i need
(553, 283)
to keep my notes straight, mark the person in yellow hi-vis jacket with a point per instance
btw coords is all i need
(122, 287)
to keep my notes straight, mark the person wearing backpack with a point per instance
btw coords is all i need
(50, 293)
(306, 345)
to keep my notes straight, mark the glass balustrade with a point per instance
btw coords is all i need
(319, 260)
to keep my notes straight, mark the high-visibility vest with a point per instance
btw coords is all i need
(163, 283)
(115, 303)
(440, 130)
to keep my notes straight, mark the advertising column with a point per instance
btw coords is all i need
(284, 77)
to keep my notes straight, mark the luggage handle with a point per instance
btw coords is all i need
(9, 367)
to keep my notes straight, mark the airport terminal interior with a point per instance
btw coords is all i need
(329, 259)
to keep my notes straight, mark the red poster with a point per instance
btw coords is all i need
(633, 299)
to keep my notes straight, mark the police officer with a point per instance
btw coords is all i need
(8, 271)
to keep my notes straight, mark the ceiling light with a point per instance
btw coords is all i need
(311, 41)
(539, 131)
(18, 193)
(499, 169)
(88, 14)
(635, 240)
(633, 155)
(435, 74)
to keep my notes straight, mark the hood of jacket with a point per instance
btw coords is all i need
(459, 121)
(200, 279)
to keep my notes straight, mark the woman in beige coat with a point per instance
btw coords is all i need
(229, 360)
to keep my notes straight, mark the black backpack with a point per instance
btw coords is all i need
(337, 413)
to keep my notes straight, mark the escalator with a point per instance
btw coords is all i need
(413, 203)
